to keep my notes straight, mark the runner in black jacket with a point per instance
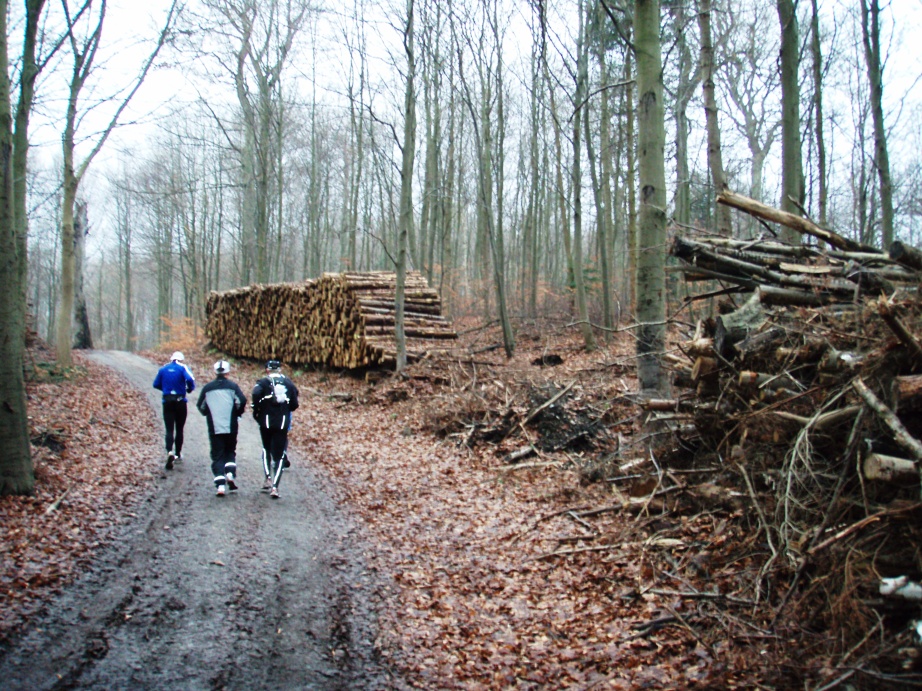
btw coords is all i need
(222, 403)
(275, 397)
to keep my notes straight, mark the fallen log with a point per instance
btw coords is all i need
(877, 466)
(906, 255)
(889, 418)
(885, 310)
(906, 392)
(736, 326)
(901, 586)
(792, 221)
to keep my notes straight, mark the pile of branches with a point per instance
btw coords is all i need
(806, 389)
(341, 320)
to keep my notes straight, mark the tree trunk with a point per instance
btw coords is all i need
(651, 274)
(582, 77)
(818, 108)
(715, 157)
(792, 182)
(870, 31)
(64, 333)
(630, 154)
(406, 186)
(83, 339)
(602, 195)
(498, 153)
(16, 470)
(687, 81)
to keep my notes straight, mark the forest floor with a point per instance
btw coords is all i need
(504, 545)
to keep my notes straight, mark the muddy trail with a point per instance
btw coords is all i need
(202, 592)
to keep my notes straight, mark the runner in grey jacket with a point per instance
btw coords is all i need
(222, 403)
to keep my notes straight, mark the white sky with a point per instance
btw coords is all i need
(132, 26)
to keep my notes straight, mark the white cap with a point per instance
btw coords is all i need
(177, 356)
(222, 367)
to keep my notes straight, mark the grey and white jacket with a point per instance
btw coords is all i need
(222, 402)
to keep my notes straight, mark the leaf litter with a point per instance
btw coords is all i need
(559, 568)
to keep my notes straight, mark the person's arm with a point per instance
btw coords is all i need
(202, 404)
(255, 397)
(241, 401)
(158, 380)
(190, 380)
(292, 396)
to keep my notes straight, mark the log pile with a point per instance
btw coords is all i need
(807, 340)
(341, 320)
(798, 391)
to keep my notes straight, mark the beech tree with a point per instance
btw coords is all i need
(750, 80)
(715, 155)
(16, 470)
(83, 53)
(870, 34)
(260, 35)
(406, 183)
(651, 260)
(792, 175)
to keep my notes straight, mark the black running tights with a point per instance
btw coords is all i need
(174, 419)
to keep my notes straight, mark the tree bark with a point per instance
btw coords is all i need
(715, 157)
(83, 338)
(16, 471)
(651, 274)
(792, 176)
(870, 31)
(816, 49)
(406, 184)
(582, 77)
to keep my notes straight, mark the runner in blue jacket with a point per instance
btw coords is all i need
(175, 380)
(222, 402)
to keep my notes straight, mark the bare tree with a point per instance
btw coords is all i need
(715, 156)
(870, 33)
(748, 63)
(83, 52)
(817, 53)
(792, 176)
(579, 98)
(16, 470)
(83, 338)
(651, 273)
(262, 35)
(406, 183)
(489, 138)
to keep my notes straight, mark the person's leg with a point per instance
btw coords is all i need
(180, 421)
(218, 442)
(265, 436)
(278, 444)
(230, 461)
(169, 422)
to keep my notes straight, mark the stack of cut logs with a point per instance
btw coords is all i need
(806, 338)
(341, 320)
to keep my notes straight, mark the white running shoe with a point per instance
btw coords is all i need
(220, 490)
(274, 493)
(231, 483)
(267, 485)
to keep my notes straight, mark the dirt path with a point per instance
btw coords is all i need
(201, 592)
